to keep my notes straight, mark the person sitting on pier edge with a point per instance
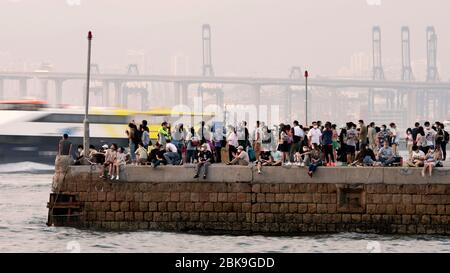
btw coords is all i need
(316, 161)
(432, 159)
(265, 159)
(79, 155)
(171, 155)
(204, 160)
(110, 157)
(241, 158)
(302, 158)
(65, 146)
(365, 157)
(417, 157)
(119, 162)
(386, 156)
(141, 153)
(99, 156)
(156, 156)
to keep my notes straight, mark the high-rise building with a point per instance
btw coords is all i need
(179, 65)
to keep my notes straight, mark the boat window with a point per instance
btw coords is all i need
(78, 118)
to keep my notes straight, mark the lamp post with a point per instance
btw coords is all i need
(86, 113)
(306, 97)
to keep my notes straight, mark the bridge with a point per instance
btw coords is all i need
(419, 94)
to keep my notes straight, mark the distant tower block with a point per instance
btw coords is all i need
(407, 74)
(378, 72)
(432, 71)
(207, 56)
(377, 67)
(438, 99)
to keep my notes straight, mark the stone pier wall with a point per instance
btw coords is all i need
(281, 201)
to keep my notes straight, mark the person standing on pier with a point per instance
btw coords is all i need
(350, 141)
(444, 141)
(415, 131)
(232, 142)
(430, 137)
(314, 135)
(393, 137)
(163, 134)
(372, 136)
(297, 136)
(257, 139)
(134, 138)
(362, 133)
(65, 146)
(409, 141)
(327, 141)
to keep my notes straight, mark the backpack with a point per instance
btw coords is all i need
(136, 136)
(446, 136)
(195, 141)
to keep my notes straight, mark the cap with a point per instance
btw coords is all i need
(240, 148)
(105, 146)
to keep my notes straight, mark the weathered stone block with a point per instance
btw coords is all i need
(120, 216)
(115, 206)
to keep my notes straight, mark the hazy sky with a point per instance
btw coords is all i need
(250, 37)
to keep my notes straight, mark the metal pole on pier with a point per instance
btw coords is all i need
(306, 97)
(86, 113)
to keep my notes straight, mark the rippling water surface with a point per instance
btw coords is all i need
(24, 192)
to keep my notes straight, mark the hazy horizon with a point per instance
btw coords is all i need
(251, 37)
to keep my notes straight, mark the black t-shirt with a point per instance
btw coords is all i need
(415, 131)
(265, 156)
(295, 139)
(439, 137)
(204, 155)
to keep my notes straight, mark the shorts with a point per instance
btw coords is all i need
(394, 141)
(283, 147)
(351, 149)
(335, 144)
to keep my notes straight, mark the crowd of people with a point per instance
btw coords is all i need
(306, 146)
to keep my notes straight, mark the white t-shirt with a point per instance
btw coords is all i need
(257, 135)
(232, 139)
(418, 154)
(171, 148)
(142, 152)
(299, 132)
(430, 136)
(315, 135)
(121, 157)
